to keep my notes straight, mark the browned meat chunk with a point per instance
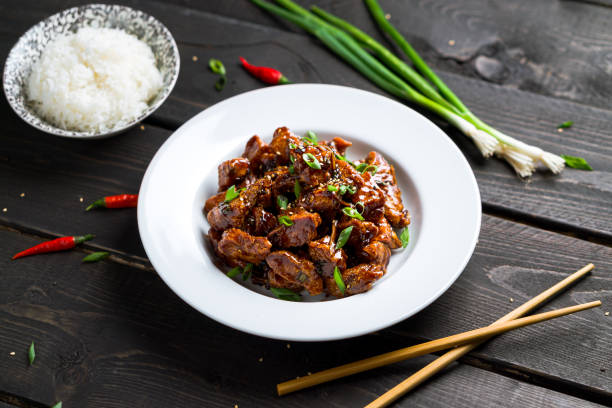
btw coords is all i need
(320, 200)
(296, 270)
(386, 234)
(281, 140)
(377, 253)
(259, 154)
(232, 172)
(281, 180)
(386, 181)
(303, 229)
(318, 156)
(277, 281)
(367, 193)
(326, 257)
(214, 201)
(362, 233)
(244, 248)
(360, 278)
(261, 222)
(340, 145)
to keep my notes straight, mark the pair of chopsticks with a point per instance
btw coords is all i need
(468, 341)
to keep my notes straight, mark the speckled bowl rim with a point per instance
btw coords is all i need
(37, 122)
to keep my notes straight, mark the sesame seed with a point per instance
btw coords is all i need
(511, 300)
(4, 209)
(12, 353)
(142, 127)
(22, 195)
(309, 373)
(451, 42)
(387, 16)
(81, 199)
(260, 359)
(236, 406)
(560, 130)
(607, 314)
(194, 58)
(288, 345)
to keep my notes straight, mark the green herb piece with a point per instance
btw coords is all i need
(338, 279)
(234, 271)
(351, 212)
(405, 237)
(292, 145)
(282, 201)
(286, 221)
(31, 353)
(58, 405)
(96, 256)
(312, 161)
(360, 204)
(297, 189)
(231, 193)
(344, 236)
(291, 169)
(576, 162)
(339, 157)
(246, 272)
(332, 188)
(351, 189)
(286, 294)
(292, 159)
(220, 84)
(216, 66)
(310, 138)
(566, 125)
(361, 167)
(342, 189)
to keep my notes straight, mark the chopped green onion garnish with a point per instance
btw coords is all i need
(351, 212)
(231, 193)
(58, 405)
(312, 161)
(234, 271)
(292, 159)
(363, 167)
(310, 138)
(96, 256)
(338, 279)
(220, 83)
(405, 237)
(342, 189)
(246, 272)
(362, 207)
(566, 125)
(351, 189)
(31, 353)
(286, 221)
(216, 66)
(332, 188)
(576, 162)
(291, 169)
(297, 189)
(292, 145)
(286, 294)
(344, 236)
(282, 201)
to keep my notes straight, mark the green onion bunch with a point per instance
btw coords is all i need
(417, 84)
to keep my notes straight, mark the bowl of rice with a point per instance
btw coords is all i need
(91, 71)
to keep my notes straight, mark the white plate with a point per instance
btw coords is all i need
(437, 183)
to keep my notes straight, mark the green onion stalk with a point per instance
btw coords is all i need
(393, 75)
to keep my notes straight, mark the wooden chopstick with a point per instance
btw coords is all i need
(441, 362)
(377, 361)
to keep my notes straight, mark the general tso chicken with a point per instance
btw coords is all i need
(296, 214)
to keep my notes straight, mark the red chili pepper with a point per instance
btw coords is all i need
(58, 244)
(116, 201)
(268, 75)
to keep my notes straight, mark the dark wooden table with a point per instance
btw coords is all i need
(111, 334)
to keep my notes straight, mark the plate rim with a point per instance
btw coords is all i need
(369, 329)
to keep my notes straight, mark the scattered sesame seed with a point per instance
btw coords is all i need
(4, 209)
(22, 195)
(260, 359)
(523, 60)
(288, 345)
(81, 199)
(236, 406)
(451, 42)
(607, 314)
(309, 373)
(194, 58)
(142, 127)
(511, 300)
(12, 353)
(387, 16)
(560, 130)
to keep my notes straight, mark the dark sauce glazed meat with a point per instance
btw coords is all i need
(296, 214)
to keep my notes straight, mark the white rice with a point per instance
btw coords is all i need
(95, 80)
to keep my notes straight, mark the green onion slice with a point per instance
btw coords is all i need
(246, 272)
(360, 204)
(286, 294)
(234, 271)
(566, 125)
(231, 193)
(31, 353)
(96, 256)
(220, 84)
(405, 237)
(312, 161)
(292, 145)
(338, 279)
(332, 188)
(297, 189)
(282, 201)
(351, 189)
(342, 189)
(344, 236)
(291, 169)
(57, 405)
(351, 212)
(216, 66)
(286, 221)
(311, 138)
(576, 162)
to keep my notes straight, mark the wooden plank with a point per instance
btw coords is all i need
(576, 200)
(114, 336)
